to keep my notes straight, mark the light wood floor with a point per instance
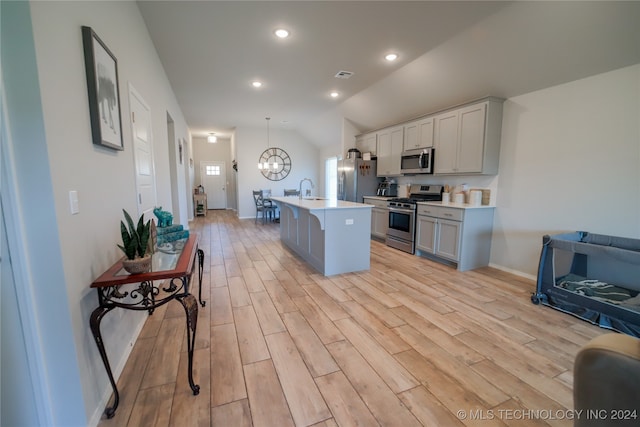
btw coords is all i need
(408, 343)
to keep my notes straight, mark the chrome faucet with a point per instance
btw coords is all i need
(308, 191)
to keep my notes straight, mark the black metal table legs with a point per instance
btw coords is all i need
(200, 269)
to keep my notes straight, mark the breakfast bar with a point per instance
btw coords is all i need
(331, 235)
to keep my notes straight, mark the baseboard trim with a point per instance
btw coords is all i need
(514, 272)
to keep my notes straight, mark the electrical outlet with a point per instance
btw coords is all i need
(348, 222)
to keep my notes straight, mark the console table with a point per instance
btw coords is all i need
(170, 278)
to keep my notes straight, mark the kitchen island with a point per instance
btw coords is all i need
(331, 235)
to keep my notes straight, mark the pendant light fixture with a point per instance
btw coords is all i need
(212, 138)
(265, 165)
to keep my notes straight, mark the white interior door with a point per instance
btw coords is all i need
(213, 177)
(143, 153)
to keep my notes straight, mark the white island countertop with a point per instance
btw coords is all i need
(315, 203)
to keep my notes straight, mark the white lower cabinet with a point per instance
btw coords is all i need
(456, 235)
(379, 217)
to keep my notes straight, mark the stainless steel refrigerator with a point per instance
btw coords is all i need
(356, 178)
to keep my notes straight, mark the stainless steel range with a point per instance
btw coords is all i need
(402, 216)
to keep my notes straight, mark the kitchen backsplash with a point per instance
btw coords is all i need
(473, 182)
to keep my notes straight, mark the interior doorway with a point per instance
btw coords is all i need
(213, 177)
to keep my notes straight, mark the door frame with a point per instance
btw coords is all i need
(24, 285)
(223, 175)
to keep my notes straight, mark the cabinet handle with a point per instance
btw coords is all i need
(448, 214)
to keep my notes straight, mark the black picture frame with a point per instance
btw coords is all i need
(103, 89)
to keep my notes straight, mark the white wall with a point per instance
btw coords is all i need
(569, 160)
(103, 178)
(250, 143)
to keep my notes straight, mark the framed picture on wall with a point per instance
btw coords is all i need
(101, 68)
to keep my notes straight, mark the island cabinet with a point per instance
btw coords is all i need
(331, 235)
(367, 143)
(418, 134)
(467, 139)
(390, 142)
(379, 216)
(456, 234)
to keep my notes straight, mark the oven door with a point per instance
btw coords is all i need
(400, 234)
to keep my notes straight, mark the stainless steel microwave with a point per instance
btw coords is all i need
(417, 161)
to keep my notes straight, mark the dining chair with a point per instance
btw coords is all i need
(265, 206)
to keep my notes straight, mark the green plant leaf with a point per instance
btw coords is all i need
(144, 235)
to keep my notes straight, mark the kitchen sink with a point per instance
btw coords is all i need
(314, 198)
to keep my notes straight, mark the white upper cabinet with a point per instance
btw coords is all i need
(467, 140)
(389, 150)
(367, 143)
(418, 134)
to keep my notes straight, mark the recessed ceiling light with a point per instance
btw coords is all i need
(281, 33)
(391, 57)
(256, 84)
(212, 138)
(334, 94)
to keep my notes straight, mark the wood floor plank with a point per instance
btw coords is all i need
(428, 409)
(227, 379)
(268, 316)
(345, 403)
(381, 401)
(314, 353)
(374, 327)
(448, 391)
(319, 321)
(253, 347)
(252, 279)
(164, 360)
(392, 372)
(268, 405)
(238, 292)
(187, 409)
(305, 401)
(334, 291)
(220, 306)
(327, 304)
(153, 406)
(281, 299)
(451, 344)
(442, 321)
(236, 414)
(528, 397)
(383, 313)
(452, 367)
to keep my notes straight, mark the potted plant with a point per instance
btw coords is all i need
(135, 241)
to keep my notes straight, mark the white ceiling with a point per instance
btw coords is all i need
(450, 52)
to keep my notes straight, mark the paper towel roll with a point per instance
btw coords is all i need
(475, 197)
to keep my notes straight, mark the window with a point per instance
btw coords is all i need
(331, 177)
(212, 170)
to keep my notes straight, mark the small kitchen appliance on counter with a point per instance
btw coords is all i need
(402, 215)
(387, 189)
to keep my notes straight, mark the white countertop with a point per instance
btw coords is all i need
(318, 203)
(456, 205)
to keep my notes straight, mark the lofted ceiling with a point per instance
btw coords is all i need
(449, 52)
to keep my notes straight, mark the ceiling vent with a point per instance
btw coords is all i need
(343, 74)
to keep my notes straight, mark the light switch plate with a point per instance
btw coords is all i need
(74, 207)
(348, 222)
